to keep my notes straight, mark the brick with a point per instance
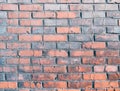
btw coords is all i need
(55, 7)
(107, 53)
(94, 45)
(95, 76)
(93, 30)
(99, 68)
(81, 7)
(65, 61)
(94, 1)
(33, 7)
(22, 15)
(43, 77)
(113, 1)
(84, 22)
(3, 14)
(19, 1)
(33, 22)
(2, 1)
(79, 84)
(106, 37)
(10, 69)
(8, 37)
(106, 84)
(68, 1)
(12, 85)
(2, 77)
(105, 22)
(114, 76)
(55, 69)
(95, 61)
(11, 77)
(115, 46)
(114, 61)
(56, 22)
(3, 22)
(66, 77)
(8, 53)
(59, 84)
(18, 45)
(67, 15)
(44, 15)
(2, 45)
(78, 53)
(28, 69)
(57, 53)
(54, 38)
(18, 30)
(30, 37)
(68, 90)
(95, 14)
(46, 45)
(113, 30)
(106, 7)
(24, 77)
(35, 53)
(68, 30)
(12, 22)
(80, 37)
(43, 61)
(43, 1)
(111, 68)
(79, 68)
(8, 7)
(113, 14)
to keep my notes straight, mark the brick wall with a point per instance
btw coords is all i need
(59, 45)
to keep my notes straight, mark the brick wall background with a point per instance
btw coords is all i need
(59, 45)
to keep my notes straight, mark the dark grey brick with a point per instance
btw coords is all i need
(80, 37)
(75, 45)
(3, 14)
(37, 30)
(11, 76)
(2, 61)
(49, 30)
(2, 77)
(113, 30)
(2, 30)
(93, 30)
(114, 45)
(25, 77)
(63, 45)
(85, 22)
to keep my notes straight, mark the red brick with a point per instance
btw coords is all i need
(78, 85)
(55, 69)
(31, 7)
(35, 53)
(2, 45)
(54, 38)
(18, 30)
(57, 53)
(68, 30)
(58, 84)
(11, 85)
(30, 38)
(106, 84)
(66, 14)
(108, 53)
(33, 22)
(94, 76)
(78, 53)
(8, 7)
(94, 45)
(19, 15)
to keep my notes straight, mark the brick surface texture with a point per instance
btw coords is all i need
(59, 45)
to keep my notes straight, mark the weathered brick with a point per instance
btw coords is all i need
(29, 7)
(80, 37)
(11, 77)
(113, 1)
(43, 1)
(3, 14)
(114, 61)
(105, 22)
(55, 7)
(83, 22)
(81, 7)
(8, 7)
(106, 37)
(19, 1)
(106, 7)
